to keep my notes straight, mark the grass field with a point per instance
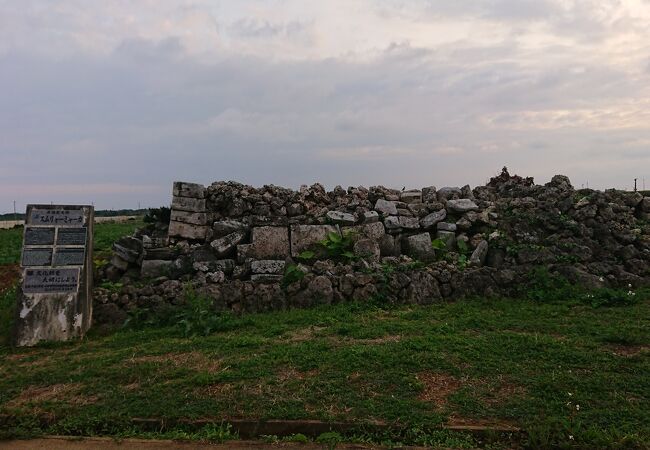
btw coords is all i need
(569, 373)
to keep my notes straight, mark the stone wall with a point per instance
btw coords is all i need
(236, 243)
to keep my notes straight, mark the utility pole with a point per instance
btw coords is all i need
(15, 215)
(635, 185)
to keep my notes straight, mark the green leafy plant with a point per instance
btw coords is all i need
(330, 439)
(307, 255)
(339, 246)
(197, 317)
(439, 245)
(111, 286)
(292, 274)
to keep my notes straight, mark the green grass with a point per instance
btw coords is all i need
(482, 361)
(506, 361)
(11, 241)
(106, 233)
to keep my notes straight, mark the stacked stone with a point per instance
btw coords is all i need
(189, 218)
(234, 241)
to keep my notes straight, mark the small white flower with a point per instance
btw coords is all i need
(570, 437)
(577, 407)
(570, 394)
(629, 285)
(601, 279)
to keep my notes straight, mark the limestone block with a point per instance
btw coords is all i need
(429, 194)
(446, 226)
(461, 205)
(446, 193)
(187, 231)
(128, 248)
(193, 190)
(153, 268)
(189, 217)
(308, 237)
(419, 247)
(367, 249)
(222, 228)
(385, 207)
(409, 223)
(479, 254)
(432, 219)
(269, 243)
(272, 267)
(188, 204)
(411, 196)
(225, 245)
(341, 217)
(392, 224)
(370, 217)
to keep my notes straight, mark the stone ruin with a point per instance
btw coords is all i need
(259, 249)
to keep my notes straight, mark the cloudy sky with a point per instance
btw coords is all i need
(109, 101)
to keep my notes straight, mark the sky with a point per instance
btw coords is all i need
(110, 101)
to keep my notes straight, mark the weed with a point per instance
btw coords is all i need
(330, 439)
(339, 246)
(292, 274)
(197, 317)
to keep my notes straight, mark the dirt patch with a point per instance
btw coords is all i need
(536, 335)
(194, 360)
(9, 275)
(379, 340)
(302, 334)
(290, 373)
(217, 390)
(68, 393)
(437, 387)
(456, 421)
(502, 392)
(628, 351)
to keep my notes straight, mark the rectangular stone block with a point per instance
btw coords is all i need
(193, 218)
(193, 190)
(374, 231)
(188, 204)
(411, 197)
(269, 243)
(308, 237)
(272, 267)
(187, 231)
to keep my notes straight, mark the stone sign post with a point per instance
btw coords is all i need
(55, 295)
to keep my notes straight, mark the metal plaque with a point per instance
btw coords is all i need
(37, 257)
(56, 217)
(71, 236)
(69, 256)
(42, 281)
(39, 235)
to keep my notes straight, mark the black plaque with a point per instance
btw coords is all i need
(56, 216)
(37, 257)
(69, 256)
(39, 235)
(71, 236)
(43, 281)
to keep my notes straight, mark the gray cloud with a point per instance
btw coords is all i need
(117, 127)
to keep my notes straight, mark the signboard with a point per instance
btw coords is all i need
(39, 235)
(69, 257)
(55, 298)
(71, 236)
(56, 216)
(51, 281)
(37, 257)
